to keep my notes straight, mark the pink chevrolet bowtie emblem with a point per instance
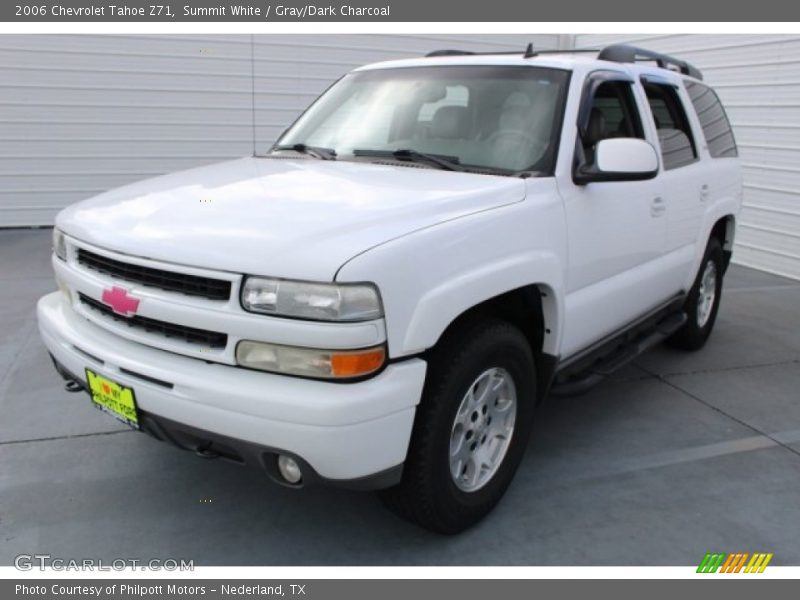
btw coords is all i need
(119, 301)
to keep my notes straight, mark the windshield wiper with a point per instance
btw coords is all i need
(448, 163)
(315, 151)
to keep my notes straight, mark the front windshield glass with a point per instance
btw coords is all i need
(504, 118)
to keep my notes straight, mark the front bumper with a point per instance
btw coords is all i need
(342, 432)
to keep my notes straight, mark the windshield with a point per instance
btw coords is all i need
(502, 118)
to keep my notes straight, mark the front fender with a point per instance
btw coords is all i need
(444, 303)
(430, 277)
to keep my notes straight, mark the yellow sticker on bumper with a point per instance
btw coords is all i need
(113, 398)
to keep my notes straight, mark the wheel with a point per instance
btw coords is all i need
(470, 430)
(703, 301)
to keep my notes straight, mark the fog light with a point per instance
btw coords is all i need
(289, 469)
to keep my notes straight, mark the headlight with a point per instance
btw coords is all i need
(315, 301)
(59, 245)
(308, 362)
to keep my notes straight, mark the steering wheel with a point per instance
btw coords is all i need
(537, 145)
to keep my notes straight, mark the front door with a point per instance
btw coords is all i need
(616, 230)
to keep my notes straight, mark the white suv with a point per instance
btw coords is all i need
(435, 245)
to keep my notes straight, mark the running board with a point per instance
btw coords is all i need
(582, 375)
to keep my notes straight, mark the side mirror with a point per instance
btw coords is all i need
(619, 159)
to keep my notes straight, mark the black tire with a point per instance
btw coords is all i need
(693, 334)
(427, 494)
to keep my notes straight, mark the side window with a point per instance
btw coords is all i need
(613, 114)
(716, 127)
(674, 133)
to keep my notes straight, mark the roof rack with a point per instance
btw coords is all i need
(529, 52)
(622, 53)
(436, 53)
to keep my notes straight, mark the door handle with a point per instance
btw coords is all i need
(704, 192)
(657, 207)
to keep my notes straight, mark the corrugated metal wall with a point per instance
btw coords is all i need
(81, 114)
(758, 80)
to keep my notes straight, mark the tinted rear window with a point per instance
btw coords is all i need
(716, 127)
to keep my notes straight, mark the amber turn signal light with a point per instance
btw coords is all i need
(357, 364)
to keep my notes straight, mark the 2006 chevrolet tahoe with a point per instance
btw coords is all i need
(381, 299)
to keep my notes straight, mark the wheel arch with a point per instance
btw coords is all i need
(533, 309)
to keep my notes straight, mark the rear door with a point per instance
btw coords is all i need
(684, 180)
(718, 148)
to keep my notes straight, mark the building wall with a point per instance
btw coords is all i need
(758, 80)
(80, 114)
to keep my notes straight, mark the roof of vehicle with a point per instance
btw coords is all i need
(635, 60)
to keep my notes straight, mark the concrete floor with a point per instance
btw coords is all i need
(678, 455)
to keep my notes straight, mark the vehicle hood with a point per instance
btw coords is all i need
(293, 218)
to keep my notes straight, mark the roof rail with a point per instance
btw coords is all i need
(529, 52)
(449, 53)
(622, 53)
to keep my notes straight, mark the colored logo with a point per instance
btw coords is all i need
(120, 302)
(736, 562)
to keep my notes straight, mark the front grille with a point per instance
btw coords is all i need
(202, 337)
(191, 285)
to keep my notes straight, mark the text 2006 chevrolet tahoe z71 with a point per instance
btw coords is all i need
(381, 299)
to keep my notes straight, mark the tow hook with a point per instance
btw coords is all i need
(73, 386)
(205, 451)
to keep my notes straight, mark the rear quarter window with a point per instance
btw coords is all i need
(716, 127)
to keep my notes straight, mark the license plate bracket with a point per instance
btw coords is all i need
(113, 398)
